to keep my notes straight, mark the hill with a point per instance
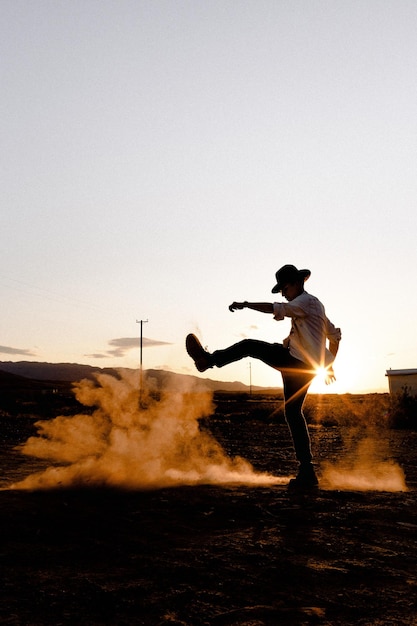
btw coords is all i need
(73, 372)
(13, 382)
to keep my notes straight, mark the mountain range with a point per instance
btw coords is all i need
(73, 372)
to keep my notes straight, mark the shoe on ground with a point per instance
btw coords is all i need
(196, 351)
(306, 480)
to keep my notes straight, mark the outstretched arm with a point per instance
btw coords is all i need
(262, 307)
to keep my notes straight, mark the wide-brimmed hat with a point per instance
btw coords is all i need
(289, 274)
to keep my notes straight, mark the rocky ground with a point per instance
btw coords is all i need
(211, 555)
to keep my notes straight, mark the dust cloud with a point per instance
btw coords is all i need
(366, 463)
(363, 469)
(132, 440)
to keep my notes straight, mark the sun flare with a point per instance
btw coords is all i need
(321, 374)
(319, 384)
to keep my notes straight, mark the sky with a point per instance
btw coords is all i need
(161, 159)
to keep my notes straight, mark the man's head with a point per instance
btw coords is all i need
(290, 281)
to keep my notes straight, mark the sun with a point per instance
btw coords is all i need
(319, 383)
(321, 374)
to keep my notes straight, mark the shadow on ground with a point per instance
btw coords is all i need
(208, 556)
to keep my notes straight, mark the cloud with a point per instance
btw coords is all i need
(124, 344)
(22, 352)
(121, 345)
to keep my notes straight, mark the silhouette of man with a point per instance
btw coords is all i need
(298, 358)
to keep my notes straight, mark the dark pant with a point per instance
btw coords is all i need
(296, 377)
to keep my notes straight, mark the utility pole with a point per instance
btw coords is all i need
(141, 322)
(250, 378)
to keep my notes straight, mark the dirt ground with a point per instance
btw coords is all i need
(211, 555)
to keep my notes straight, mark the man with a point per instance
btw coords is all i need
(298, 358)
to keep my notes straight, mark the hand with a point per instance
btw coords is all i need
(236, 305)
(330, 377)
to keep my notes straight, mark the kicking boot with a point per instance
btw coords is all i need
(306, 479)
(201, 357)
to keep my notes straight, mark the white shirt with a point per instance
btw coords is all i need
(309, 329)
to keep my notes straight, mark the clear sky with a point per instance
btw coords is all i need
(161, 159)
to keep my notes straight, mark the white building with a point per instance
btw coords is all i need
(402, 380)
